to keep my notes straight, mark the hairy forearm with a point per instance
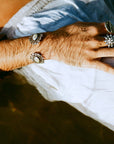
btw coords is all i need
(79, 44)
(16, 53)
(12, 54)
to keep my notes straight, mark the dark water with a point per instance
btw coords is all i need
(26, 118)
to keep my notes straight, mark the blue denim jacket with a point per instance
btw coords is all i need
(110, 4)
(62, 14)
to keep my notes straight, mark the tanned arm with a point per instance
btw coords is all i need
(79, 44)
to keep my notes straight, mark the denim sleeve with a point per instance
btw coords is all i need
(71, 11)
(110, 4)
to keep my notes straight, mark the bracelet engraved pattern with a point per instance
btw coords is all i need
(35, 39)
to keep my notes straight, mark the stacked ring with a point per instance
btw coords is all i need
(109, 27)
(109, 39)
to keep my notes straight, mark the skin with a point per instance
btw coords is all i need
(79, 44)
(8, 8)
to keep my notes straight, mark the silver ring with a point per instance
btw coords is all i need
(109, 39)
(37, 58)
(109, 27)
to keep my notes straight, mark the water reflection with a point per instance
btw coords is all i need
(26, 118)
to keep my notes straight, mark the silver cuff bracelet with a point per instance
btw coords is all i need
(36, 57)
(35, 38)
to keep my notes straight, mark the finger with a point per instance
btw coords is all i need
(102, 66)
(97, 42)
(104, 52)
(102, 29)
(97, 29)
(94, 28)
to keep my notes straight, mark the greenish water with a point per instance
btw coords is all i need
(26, 118)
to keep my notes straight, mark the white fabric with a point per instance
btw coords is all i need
(89, 90)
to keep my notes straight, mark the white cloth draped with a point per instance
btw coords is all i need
(90, 91)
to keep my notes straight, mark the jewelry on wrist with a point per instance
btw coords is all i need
(37, 57)
(35, 39)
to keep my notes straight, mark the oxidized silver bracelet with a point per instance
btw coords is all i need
(37, 58)
(35, 39)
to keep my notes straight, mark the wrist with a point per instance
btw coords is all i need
(16, 53)
(47, 46)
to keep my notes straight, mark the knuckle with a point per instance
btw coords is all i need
(87, 38)
(96, 53)
(99, 44)
(90, 53)
(92, 30)
(92, 27)
(83, 29)
(87, 52)
(91, 42)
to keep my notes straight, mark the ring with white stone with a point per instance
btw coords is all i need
(37, 58)
(109, 40)
(35, 38)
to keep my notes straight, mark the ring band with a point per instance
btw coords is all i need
(109, 40)
(109, 27)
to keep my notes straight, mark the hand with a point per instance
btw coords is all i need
(80, 44)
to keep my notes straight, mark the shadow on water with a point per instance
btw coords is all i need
(26, 118)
